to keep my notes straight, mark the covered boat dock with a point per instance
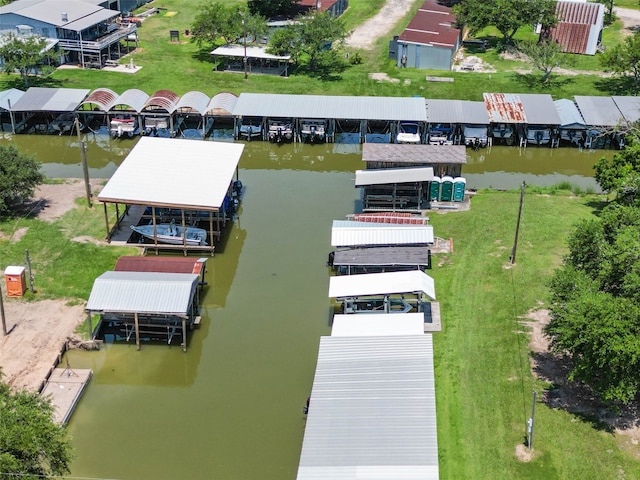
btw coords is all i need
(603, 117)
(144, 304)
(443, 159)
(394, 188)
(347, 233)
(186, 182)
(380, 259)
(47, 110)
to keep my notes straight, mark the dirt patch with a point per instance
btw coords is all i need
(366, 34)
(523, 453)
(51, 201)
(629, 17)
(383, 77)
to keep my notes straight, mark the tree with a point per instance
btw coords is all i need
(624, 59)
(19, 176)
(270, 8)
(31, 443)
(25, 54)
(621, 173)
(506, 15)
(217, 21)
(314, 42)
(545, 55)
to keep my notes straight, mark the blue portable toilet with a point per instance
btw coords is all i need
(446, 191)
(459, 187)
(434, 189)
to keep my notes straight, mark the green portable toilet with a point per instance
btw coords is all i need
(446, 191)
(434, 189)
(459, 186)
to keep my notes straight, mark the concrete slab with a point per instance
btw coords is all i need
(64, 387)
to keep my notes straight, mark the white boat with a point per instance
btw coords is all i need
(250, 130)
(475, 136)
(280, 131)
(172, 233)
(64, 123)
(408, 133)
(538, 135)
(121, 126)
(313, 130)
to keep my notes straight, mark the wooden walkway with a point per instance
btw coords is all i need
(124, 231)
(64, 387)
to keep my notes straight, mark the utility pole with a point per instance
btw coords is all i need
(4, 323)
(244, 41)
(512, 260)
(530, 422)
(85, 167)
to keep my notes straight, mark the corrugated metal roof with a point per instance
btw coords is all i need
(444, 111)
(382, 324)
(160, 264)
(434, 25)
(345, 233)
(8, 98)
(103, 98)
(143, 292)
(372, 411)
(393, 175)
(504, 108)
(539, 109)
(474, 113)
(251, 52)
(50, 11)
(417, 256)
(629, 107)
(222, 104)
(579, 25)
(90, 20)
(599, 111)
(174, 173)
(164, 99)
(194, 100)
(416, 154)
(338, 107)
(39, 99)
(386, 283)
(569, 113)
(133, 98)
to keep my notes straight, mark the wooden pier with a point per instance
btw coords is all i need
(65, 387)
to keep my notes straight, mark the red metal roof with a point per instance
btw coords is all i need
(577, 12)
(311, 4)
(165, 99)
(504, 108)
(572, 37)
(575, 21)
(103, 98)
(160, 264)
(433, 24)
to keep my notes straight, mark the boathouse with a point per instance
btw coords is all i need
(353, 428)
(443, 159)
(603, 117)
(394, 189)
(346, 233)
(163, 264)
(392, 258)
(579, 27)
(144, 304)
(257, 60)
(175, 181)
(8, 99)
(572, 125)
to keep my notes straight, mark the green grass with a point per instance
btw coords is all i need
(483, 379)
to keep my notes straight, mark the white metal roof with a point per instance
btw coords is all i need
(222, 103)
(143, 292)
(569, 113)
(40, 99)
(90, 20)
(324, 106)
(54, 12)
(383, 324)
(251, 52)
(195, 100)
(133, 98)
(346, 233)
(599, 111)
(372, 412)
(174, 172)
(393, 175)
(386, 283)
(8, 98)
(629, 106)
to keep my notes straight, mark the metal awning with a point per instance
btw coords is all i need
(176, 173)
(345, 233)
(384, 324)
(475, 112)
(143, 292)
(569, 114)
(193, 100)
(599, 111)
(8, 98)
(372, 411)
(251, 51)
(133, 98)
(222, 104)
(401, 256)
(444, 111)
(40, 99)
(91, 20)
(539, 109)
(629, 107)
(386, 176)
(103, 98)
(388, 283)
(416, 154)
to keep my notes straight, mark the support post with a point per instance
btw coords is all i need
(512, 260)
(135, 321)
(90, 325)
(85, 167)
(530, 422)
(4, 322)
(184, 335)
(106, 221)
(28, 260)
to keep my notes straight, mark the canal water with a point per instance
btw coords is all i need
(230, 408)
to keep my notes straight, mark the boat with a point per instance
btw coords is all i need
(503, 130)
(249, 131)
(538, 135)
(172, 233)
(408, 133)
(375, 305)
(439, 140)
(313, 130)
(280, 131)
(153, 125)
(64, 123)
(475, 136)
(121, 126)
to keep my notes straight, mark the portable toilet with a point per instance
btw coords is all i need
(16, 281)
(446, 191)
(459, 187)
(434, 189)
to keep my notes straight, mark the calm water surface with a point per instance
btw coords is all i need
(230, 408)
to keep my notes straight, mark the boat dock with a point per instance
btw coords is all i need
(65, 387)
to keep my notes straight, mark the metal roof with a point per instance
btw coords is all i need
(372, 411)
(103, 98)
(383, 324)
(338, 107)
(386, 283)
(174, 173)
(504, 108)
(579, 26)
(133, 98)
(90, 20)
(445, 111)
(599, 111)
(143, 292)
(474, 112)
(629, 107)
(222, 104)
(417, 256)
(385, 176)
(194, 100)
(39, 99)
(416, 154)
(432, 25)
(54, 12)
(165, 99)
(251, 52)
(8, 98)
(160, 264)
(569, 113)
(345, 233)
(539, 109)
